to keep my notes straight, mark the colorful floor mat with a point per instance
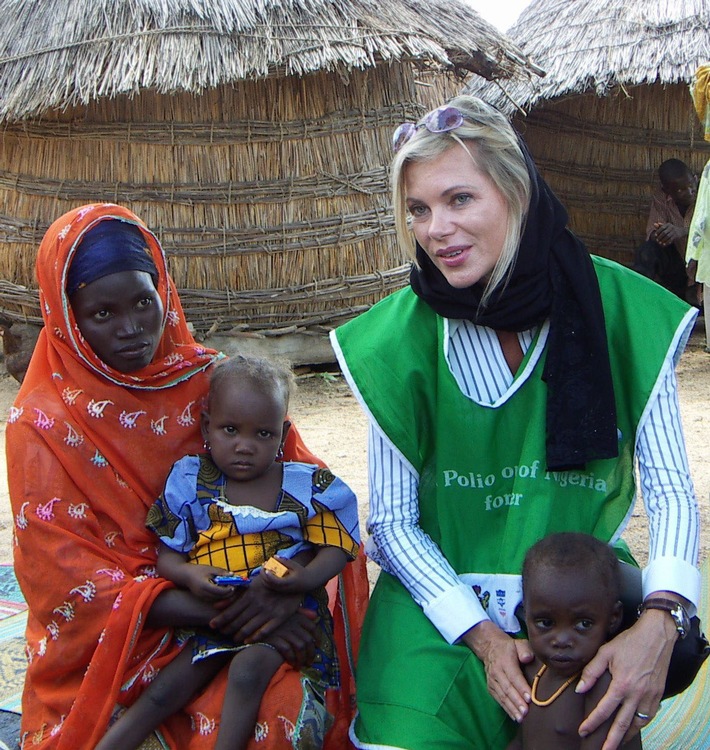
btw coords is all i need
(13, 617)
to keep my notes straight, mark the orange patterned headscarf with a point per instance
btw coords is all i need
(178, 355)
(701, 98)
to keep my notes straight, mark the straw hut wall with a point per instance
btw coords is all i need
(252, 137)
(613, 105)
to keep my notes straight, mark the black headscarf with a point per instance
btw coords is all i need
(553, 277)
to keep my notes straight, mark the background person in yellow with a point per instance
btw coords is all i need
(698, 252)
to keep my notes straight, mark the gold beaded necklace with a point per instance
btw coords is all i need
(556, 694)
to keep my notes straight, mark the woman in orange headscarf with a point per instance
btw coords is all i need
(97, 423)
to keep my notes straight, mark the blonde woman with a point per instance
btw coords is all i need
(510, 388)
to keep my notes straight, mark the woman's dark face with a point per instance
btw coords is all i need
(121, 318)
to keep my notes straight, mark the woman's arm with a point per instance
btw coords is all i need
(404, 550)
(179, 608)
(399, 545)
(638, 658)
(669, 497)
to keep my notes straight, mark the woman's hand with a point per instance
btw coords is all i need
(295, 639)
(638, 660)
(501, 656)
(257, 613)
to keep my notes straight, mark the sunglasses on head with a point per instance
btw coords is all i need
(439, 120)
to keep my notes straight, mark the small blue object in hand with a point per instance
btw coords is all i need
(231, 580)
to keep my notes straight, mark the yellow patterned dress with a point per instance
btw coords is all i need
(314, 508)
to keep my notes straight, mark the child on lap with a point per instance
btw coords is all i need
(227, 512)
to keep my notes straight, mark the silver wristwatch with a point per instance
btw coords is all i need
(675, 609)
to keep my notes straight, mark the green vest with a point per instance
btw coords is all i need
(484, 493)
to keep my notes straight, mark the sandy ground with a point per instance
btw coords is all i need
(334, 428)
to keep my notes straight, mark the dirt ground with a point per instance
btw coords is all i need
(334, 428)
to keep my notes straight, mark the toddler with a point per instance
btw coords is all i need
(222, 515)
(571, 589)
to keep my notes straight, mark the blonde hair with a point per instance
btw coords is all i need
(497, 154)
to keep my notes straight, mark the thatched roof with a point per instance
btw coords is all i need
(60, 53)
(597, 46)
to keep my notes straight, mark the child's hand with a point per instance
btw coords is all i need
(296, 581)
(199, 580)
(255, 614)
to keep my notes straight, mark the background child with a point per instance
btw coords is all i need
(662, 256)
(571, 589)
(228, 511)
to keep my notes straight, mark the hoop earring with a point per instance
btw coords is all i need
(280, 452)
(206, 445)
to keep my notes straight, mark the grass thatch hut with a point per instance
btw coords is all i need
(252, 135)
(613, 105)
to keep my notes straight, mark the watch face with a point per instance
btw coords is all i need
(681, 618)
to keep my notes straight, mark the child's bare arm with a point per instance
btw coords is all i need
(170, 564)
(196, 578)
(300, 579)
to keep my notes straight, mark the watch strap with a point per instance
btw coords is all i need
(675, 609)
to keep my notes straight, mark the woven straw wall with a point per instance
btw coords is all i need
(271, 198)
(601, 156)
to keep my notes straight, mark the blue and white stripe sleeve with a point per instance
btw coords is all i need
(669, 497)
(399, 545)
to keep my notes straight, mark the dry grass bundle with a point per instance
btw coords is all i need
(306, 201)
(599, 46)
(294, 197)
(56, 53)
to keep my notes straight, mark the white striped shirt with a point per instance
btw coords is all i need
(476, 360)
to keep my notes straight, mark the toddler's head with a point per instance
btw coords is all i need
(571, 588)
(244, 425)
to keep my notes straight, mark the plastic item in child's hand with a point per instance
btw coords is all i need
(231, 580)
(275, 567)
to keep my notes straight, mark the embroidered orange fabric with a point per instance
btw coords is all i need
(88, 449)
